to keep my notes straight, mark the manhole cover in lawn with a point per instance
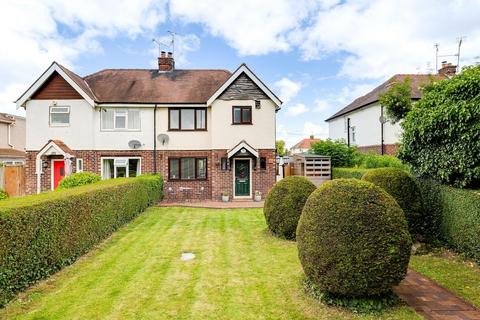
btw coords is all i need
(187, 256)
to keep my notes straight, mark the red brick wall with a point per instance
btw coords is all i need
(390, 149)
(217, 181)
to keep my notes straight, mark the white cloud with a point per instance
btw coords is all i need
(382, 38)
(297, 109)
(321, 105)
(318, 130)
(288, 89)
(184, 44)
(252, 27)
(35, 33)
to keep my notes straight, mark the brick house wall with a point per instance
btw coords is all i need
(217, 182)
(390, 149)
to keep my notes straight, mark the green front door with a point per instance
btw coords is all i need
(242, 178)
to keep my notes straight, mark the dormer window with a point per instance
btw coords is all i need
(59, 116)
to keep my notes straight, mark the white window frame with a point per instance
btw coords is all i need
(79, 165)
(353, 134)
(126, 112)
(50, 112)
(139, 172)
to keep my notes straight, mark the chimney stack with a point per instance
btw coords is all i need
(166, 62)
(312, 136)
(447, 69)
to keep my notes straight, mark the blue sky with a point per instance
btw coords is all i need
(316, 55)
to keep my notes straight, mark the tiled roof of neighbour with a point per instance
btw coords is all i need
(154, 86)
(417, 81)
(305, 143)
(6, 118)
(12, 153)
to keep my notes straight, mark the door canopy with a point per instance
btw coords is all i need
(242, 149)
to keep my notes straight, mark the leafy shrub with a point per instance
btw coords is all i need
(284, 204)
(42, 233)
(454, 215)
(353, 239)
(404, 190)
(398, 100)
(3, 194)
(78, 179)
(348, 173)
(369, 304)
(341, 154)
(441, 134)
(370, 160)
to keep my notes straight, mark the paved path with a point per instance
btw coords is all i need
(214, 204)
(432, 301)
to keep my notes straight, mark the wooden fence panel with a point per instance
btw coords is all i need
(14, 180)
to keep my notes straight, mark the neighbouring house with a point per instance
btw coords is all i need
(304, 145)
(362, 123)
(207, 132)
(12, 139)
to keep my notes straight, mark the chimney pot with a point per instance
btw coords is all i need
(447, 69)
(170, 55)
(162, 54)
(166, 62)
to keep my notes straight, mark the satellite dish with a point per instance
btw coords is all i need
(134, 144)
(163, 138)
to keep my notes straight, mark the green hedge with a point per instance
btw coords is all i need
(454, 216)
(78, 179)
(348, 173)
(42, 233)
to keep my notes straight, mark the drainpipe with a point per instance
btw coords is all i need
(155, 139)
(348, 132)
(9, 134)
(381, 130)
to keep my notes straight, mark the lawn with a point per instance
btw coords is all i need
(240, 272)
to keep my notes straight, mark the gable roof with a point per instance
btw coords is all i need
(148, 86)
(417, 81)
(241, 70)
(154, 86)
(305, 143)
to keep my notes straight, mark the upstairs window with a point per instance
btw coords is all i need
(242, 115)
(59, 116)
(187, 119)
(120, 119)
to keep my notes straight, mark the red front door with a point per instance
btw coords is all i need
(58, 172)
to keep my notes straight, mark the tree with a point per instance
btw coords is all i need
(280, 146)
(397, 100)
(441, 134)
(341, 154)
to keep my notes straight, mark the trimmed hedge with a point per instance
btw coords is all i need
(78, 179)
(3, 194)
(42, 233)
(353, 239)
(454, 215)
(284, 204)
(402, 187)
(348, 173)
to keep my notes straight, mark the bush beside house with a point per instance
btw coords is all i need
(78, 179)
(353, 239)
(3, 194)
(284, 204)
(42, 233)
(348, 173)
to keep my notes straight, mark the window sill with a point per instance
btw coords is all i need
(186, 180)
(120, 130)
(186, 130)
(59, 125)
(242, 124)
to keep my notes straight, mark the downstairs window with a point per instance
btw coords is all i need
(119, 167)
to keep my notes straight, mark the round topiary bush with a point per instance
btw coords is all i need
(353, 239)
(78, 179)
(284, 204)
(401, 186)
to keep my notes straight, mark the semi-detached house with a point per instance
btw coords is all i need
(207, 132)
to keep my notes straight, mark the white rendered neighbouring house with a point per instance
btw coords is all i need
(363, 124)
(206, 131)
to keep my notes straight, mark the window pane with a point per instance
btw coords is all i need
(174, 123)
(134, 119)
(60, 118)
(107, 169)
(247, 115)
(60, 109)
(263, 163)
(224, 164)
(133, 167)
(107, 119)
(187, 168)
(188, 119)
(121, 172)
(201, 168)
(173, 169)
(236, 115)
(201, 115)
(120, 119)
